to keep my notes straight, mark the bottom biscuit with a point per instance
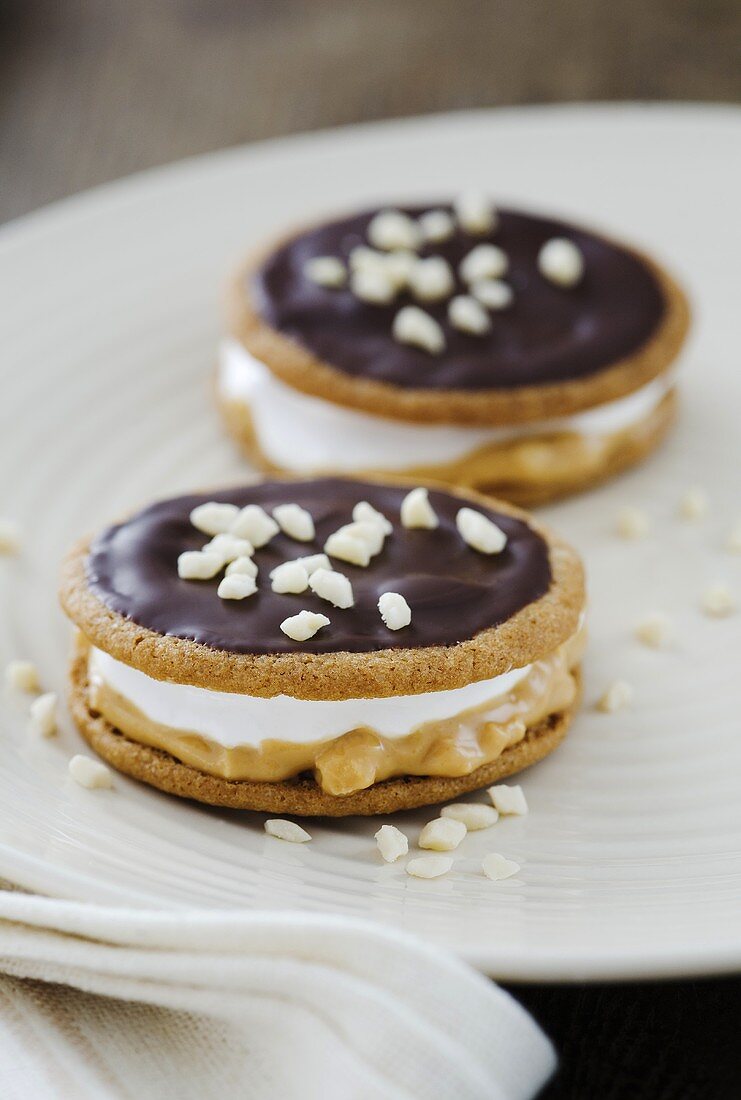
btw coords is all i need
(301, 796)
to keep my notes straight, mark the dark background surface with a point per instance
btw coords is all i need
(94, 89)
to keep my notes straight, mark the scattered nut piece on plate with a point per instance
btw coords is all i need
(43, 714)
(303, 626)
(415, 327)
(631, 523)
(91, 774)
(474, 815)
(617, 696)
(443, 834)
(655, 630)
(496, 866)
(416, 510)
(22, 676)
(295, 521)
(560, 262)
(392, 843)
(283, 829)
(694, 504)
(718, 601)
(508, 800)
(10, 536)
(480, 532)
(429, 866)
(395, 611)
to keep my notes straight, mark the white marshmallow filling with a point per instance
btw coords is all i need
(306, 434)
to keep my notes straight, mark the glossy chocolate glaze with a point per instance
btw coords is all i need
(453, 591)
(549, 334)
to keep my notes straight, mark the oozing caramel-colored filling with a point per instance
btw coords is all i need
(361, 757)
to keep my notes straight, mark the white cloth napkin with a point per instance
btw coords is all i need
(260, 1006)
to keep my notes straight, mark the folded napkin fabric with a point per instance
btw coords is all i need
(261, 1006)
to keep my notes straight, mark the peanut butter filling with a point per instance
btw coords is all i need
(361, 757)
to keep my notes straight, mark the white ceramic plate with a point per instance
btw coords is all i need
(631, 855)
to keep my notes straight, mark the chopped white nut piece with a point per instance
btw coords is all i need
(694, 504)
(474, 815)
(560, 261)
(468, 315)
(348, 548)
(475, 212)
(363, 512)
(362, 256)
(213, 518)
(436, 226)
(303, 626)
(333, 587)
(90, 773)
(392, 229)
(395, 611)
(289, 576)
(391, 843)
(429, 866)
(631, 523)
(399, 266)
(372, 534)
(295, 521)
(195, 565)
(242, 565)
(496, 866)
(480, 532)
(22, 675)
(254, 523)
(718, 601)
(443, 834)
(617, 696)
(508, 800)
(312, 562)
(655, 630)
(237, 586)
(374, 285)
(228, 548)
(431, 279)
(10, 536)
(493, 293)
(413, 326)
(416, 510)
(326, 271)
(286, 830)
(43, 714)
(733, 542)
(485, 261)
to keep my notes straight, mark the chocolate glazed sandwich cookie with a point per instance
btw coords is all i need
(325, 646)
(494, 349)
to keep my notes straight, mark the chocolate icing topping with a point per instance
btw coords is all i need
(550, 334)
(453, 591)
